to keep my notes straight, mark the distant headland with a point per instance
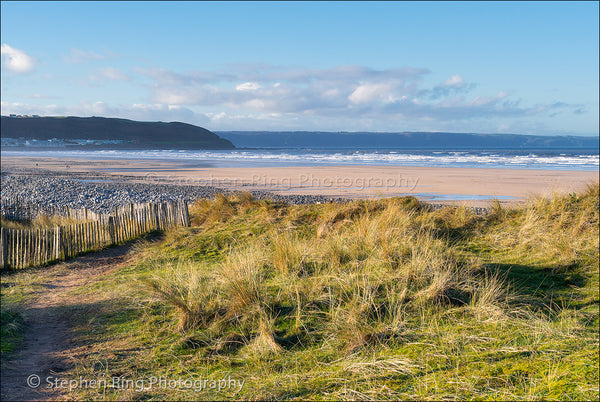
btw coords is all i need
(406, 140)
(102, 133)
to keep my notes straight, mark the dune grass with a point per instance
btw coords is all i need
(11, 333)
(41, 222)
(381, 299)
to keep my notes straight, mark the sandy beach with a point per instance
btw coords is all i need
(471, 186)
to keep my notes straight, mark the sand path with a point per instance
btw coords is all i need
(48, 347)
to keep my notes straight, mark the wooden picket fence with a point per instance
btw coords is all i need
(17, 209)
(33, 247)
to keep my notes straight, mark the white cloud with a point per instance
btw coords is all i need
(173, 98)
(16, 60)
(486, 100)
(217, 116)
(451, 86)
(331, 93)
(248, 86)
(110, 74)
(39, 96)
(370, 92)
(456, 81)
(114, 74)
(82, 56)
(189, 95)
(256, 104)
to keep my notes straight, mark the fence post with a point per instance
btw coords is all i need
(18, 248)
(186, 214)
(27, 247)
(45, 245)
(12, 247)
(37, 246)
(156, 216)
(57, 238)
(117, 226)
(111, 229)
(3, 248)
(131, 221)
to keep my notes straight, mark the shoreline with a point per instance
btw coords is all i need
(469, 186)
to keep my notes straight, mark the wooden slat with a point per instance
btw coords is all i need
(2, 248)
(18, 248)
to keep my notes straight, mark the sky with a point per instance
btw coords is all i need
(486, 67)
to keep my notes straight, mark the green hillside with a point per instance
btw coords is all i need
(134, 134)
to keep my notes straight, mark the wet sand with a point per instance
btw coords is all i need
(471, 186)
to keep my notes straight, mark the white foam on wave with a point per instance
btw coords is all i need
(363, 157)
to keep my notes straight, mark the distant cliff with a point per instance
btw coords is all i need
(101, 132)
(406, 140)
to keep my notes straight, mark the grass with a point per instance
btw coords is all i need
(365, 300)
(11, 334)
(41, 222)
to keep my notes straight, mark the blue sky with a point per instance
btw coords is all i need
(514, 67)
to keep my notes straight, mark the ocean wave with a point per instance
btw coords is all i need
(531, 160)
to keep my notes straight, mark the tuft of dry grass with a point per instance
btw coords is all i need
(205, 211)
(264, 342)
(288, 253)
(244, 198)
(562, 229)
(190, 289)
(241, 278)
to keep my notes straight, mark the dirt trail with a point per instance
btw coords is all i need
(47, 344)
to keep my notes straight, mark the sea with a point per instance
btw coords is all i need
(542, 159)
